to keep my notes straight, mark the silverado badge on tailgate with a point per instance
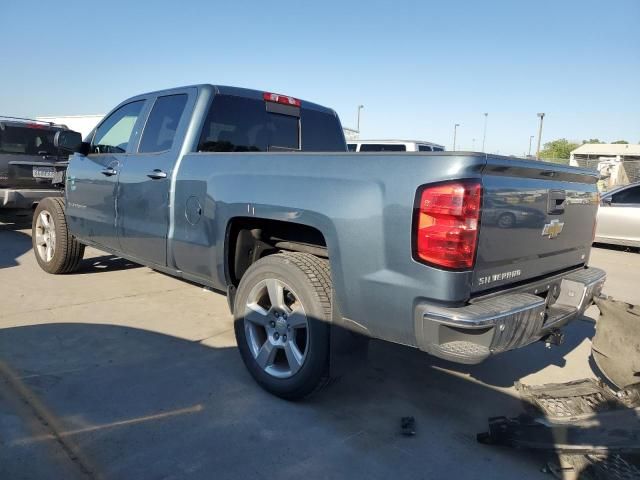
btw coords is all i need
(553, 228)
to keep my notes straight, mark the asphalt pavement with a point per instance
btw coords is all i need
(120, 372)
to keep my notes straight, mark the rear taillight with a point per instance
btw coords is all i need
(447, 223)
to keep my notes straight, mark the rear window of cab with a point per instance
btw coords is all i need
(240, 124)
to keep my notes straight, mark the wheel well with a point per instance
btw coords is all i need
(250, 239)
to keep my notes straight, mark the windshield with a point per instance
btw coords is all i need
(27, 141)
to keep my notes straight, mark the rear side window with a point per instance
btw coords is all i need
(425, 148)
(352, 147)
(379, 147)
(162, 124)
(27, 141)
(238, 124)
(438, 149)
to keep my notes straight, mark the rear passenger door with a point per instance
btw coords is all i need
(145, 178)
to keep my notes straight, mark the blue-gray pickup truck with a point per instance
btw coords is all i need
(462, 255)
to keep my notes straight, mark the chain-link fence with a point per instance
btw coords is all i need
(613, 173)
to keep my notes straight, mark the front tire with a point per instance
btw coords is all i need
(56, 250)
(282, 319)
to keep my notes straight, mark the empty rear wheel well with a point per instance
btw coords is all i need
(249, 239)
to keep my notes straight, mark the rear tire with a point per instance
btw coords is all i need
(56, 250)
(282, 320)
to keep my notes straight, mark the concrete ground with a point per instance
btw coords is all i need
(121, 372)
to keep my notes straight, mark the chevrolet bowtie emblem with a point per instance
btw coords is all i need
(553, 228)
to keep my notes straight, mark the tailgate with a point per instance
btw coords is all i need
(537, 219)
(36, 172)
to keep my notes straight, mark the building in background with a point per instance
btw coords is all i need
(79, 123)
(618, 164)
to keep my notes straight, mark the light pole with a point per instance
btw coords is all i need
(473, 144)
(541, 115)
(530, 140)
(360, 107)
(484, 134)
(455, 132)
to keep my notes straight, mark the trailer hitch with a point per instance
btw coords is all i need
(555, 337)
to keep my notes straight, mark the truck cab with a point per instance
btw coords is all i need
(123, 193)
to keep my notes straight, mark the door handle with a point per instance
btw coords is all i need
(157, 174)
(109, 171)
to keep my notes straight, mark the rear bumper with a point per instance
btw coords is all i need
(503, 322)
(25, 198)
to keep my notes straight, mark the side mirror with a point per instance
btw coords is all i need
(68, 141)
(606, 202)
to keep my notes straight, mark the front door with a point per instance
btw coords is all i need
(92, 180)
(145, 180)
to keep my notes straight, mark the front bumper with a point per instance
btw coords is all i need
(506, 321)
(25, 198)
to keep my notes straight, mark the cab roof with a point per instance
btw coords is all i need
(237, 92)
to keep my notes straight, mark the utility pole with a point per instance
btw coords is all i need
(541, 115)
(360, 107)
(455, 133)
(484, 134)
(530, 140)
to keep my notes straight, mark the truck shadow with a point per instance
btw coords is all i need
(13, 244)
(105, 262)
(139, 404)
(505, 369)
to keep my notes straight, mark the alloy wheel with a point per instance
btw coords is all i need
(276, 328)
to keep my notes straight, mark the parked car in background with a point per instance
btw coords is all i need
(393, 146)
(31, 167)
(254, 194)
(619, 217)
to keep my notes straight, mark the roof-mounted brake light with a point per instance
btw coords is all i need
(283, 99)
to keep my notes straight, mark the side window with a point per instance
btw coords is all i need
(630, 195)
(379, 147)
(114, 134)
(425, 148)
(162, 124)
(352, 147)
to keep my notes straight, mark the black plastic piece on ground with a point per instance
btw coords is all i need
(408, 425)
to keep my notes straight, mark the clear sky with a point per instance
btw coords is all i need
(417, 67)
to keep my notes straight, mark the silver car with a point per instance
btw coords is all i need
(619, 217)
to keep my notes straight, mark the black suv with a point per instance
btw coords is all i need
(31, 168)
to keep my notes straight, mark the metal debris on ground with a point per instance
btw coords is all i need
(591, 427)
